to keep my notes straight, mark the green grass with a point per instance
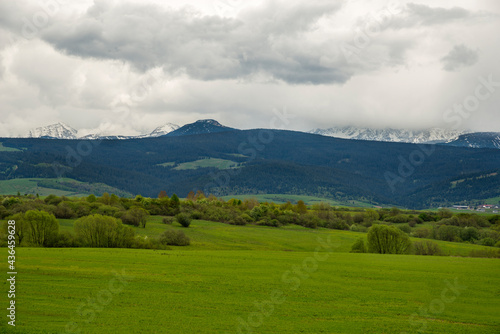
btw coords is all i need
(208, 291)
(207, 163)
(8, 149)
(29, 186)
(59, 187)
(210, 286)
(207, 235)
(309, 200)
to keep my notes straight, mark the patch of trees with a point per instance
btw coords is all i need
(117, 216)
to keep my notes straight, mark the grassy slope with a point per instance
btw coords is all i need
(217, 236)
(309, 200)
(30, 186)
(205, 291)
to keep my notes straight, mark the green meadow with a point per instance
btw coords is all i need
(253, 279)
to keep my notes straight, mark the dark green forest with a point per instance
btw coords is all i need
(268, 161)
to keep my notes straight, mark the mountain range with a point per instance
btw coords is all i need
(461, 138)
(208, 156)
(434, 135)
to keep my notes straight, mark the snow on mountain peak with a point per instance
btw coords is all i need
(163, 130)
(433, 135)
(58, 130)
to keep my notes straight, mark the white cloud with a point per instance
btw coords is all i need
(129, 66)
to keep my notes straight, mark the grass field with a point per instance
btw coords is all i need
(8, 149)
(205, 163)
(305, 279)
(30, 186)
(309, 200)
(59, 187)
(208, 291)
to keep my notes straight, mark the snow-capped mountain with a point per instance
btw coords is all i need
(162, 130)
(478, 140)
(56, 131)
(434, 135)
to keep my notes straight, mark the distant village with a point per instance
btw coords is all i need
(490, 208)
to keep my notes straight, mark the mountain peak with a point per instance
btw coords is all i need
(58, 131)
(209, 121)
(200, 127)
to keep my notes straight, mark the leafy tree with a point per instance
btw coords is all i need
(42, 225)
(174, 238)
(385, 239)
(448, 233)
(301, 207)
(184, 219)
(426, 247)
(103, 231)
(359, 246)
(469, 234)
(136, 216)
(162, 194)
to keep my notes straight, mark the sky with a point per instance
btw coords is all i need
(126, 67)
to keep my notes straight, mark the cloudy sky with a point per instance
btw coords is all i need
(126, 67)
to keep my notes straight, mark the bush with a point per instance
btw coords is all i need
(358, 228)
(488, 242)
(422, 232)
(103, 232)
(405, 228)
(184, 219)
(497, 244)
(448, 233)
(426, 247)
(469, 234)
(384, 239)
(359, 246)
(489, 253)
(136, 216)
(174, 238)
(168, 220)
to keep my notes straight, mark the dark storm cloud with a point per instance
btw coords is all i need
(459, 56)
(267, 41)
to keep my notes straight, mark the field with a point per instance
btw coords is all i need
(309, 200)
(7, 149)
(220, 282)
(59, 187)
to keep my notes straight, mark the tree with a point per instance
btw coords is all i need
(162, 194)
(103, 231)
(22, 229)
(183, 219)
(174, 238)
(42, 225)
(359, 246)
(301, 207)
(385, 239)
(136, 216)
(175, 204)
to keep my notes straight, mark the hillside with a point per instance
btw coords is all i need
(260, 162)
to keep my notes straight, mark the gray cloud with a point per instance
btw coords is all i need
(460, 56)
(266, 41)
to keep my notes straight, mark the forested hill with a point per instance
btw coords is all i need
(264, 161)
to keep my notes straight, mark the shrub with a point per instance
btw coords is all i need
(448, 233)
(489, 253)
(405, 228)
(358, 228)
(469, 234)
(426, 247)
(488, 242)
(136, 216)
(388, 240)
(359, 246)
(184, 219)
(103, 231)
(168, 220)
(398, 219)
(422, 232)
(174, 238)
